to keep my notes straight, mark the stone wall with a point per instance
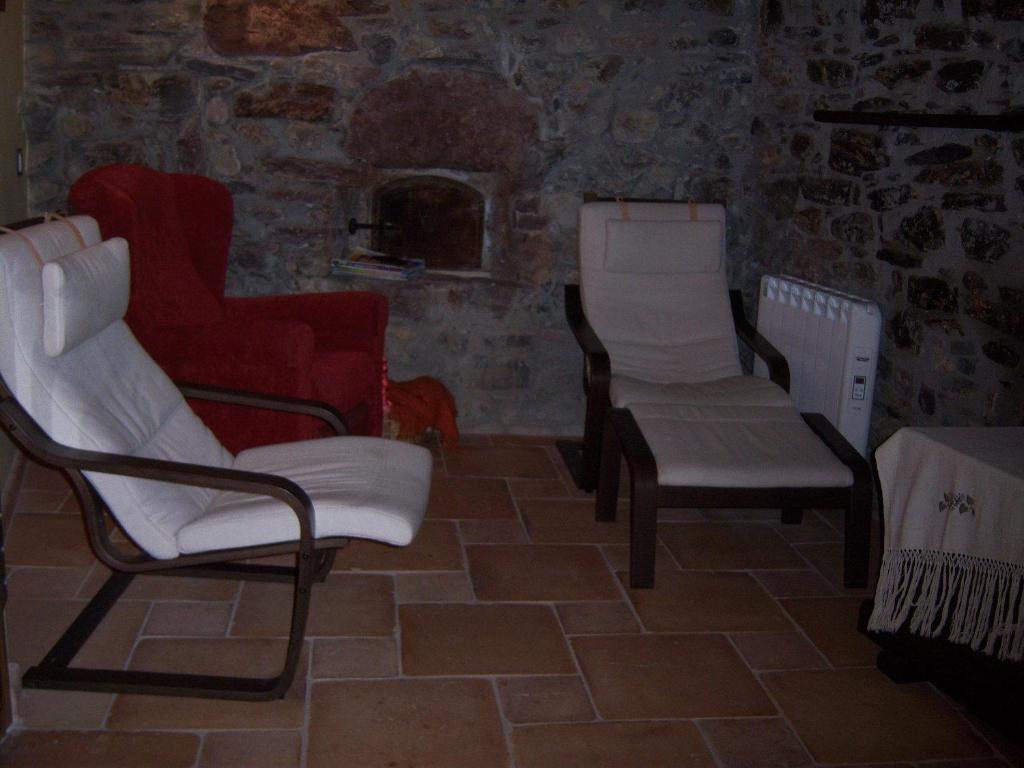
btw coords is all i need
(926, 221)
(304, 107)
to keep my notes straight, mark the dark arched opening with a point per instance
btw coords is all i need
(433, 218)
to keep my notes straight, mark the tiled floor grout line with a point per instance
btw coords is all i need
(507, 727)
(799, 548)
(783, 716)
(199, 749)
(624, 593)
(396, 632)
(757, 676)
(709, 744)
(598, 717)
(235, 601)
(796, 627)
(464, 556)
(760, 573)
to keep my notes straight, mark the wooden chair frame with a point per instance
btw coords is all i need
(622, 437)
(610, 433)
(313, 557)
(584, 459)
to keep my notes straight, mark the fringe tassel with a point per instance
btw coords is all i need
(968, 600)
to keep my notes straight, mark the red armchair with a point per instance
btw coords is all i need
(327, 346)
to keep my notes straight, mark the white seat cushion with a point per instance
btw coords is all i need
(361, 487)
(732, 390)
(737, 447)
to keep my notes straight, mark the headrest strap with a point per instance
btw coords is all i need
(48, 217)
(29, 243)
(68, 222)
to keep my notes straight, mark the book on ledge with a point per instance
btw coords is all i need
(379, 266)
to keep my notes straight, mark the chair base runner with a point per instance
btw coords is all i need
(55, 672)
(151, 683)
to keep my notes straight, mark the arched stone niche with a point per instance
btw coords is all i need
(455, 147)
(451, 119)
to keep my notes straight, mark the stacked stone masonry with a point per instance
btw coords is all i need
(304, 107)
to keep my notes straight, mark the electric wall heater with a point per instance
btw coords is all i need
(830, 340)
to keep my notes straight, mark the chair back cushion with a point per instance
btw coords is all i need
(90, 385)
(174, 280)
(654, 288)
(83, 293)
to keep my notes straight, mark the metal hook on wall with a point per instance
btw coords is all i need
(354, 226)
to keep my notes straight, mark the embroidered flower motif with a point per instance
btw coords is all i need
(961, 503)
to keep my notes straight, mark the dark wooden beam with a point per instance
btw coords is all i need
(1008, 122)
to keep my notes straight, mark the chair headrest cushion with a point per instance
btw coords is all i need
(663, 247)
(83, 293)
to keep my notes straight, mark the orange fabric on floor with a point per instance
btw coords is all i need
(422, 403)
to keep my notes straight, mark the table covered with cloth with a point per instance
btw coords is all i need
(953, 561)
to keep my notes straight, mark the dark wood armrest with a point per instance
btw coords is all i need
(635, 450)
(597, 373)
(839, 446)
(315, 408)
(857, 524)
(778, 368)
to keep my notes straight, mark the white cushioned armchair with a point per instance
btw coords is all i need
(78, 392)
(665, 388)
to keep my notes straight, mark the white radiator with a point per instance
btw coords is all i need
(830, 340)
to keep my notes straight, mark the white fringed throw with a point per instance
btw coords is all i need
(953, 563)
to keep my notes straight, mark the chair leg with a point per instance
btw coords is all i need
(622, 431)
(593, 442)
(643, 529)
(54, 670)
(607, 499)
(857, 523)
(857, 533)
(792, 516)
(306, 575)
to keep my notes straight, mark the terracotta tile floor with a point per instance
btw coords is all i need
(504, 636)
